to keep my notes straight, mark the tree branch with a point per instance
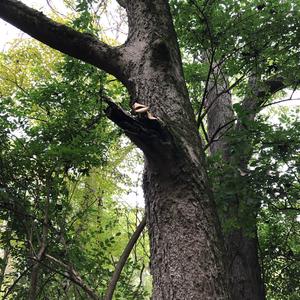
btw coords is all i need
(83, 46)
(35, 269)
(275, 84)
(228, 89)
(204, 131)
(119, 267)
(259, 92)
(279, 101)
(72, 276)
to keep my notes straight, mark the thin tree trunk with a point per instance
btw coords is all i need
(123, 259)
(33, 288)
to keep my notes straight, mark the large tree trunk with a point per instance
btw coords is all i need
(186, 254)
(243, 267)
(186, 260)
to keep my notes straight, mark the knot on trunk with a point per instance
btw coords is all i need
(160, 53)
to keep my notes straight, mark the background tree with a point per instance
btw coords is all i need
(235, 48)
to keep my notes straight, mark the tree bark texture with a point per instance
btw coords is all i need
(244, 268)
(185, 236)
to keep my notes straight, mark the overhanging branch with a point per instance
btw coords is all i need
(83, 46)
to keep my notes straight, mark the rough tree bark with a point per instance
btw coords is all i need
(243, 266)
(186, 248)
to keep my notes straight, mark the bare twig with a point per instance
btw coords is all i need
(221, 93)
(204, 131)
(206, 20)
(280, 101)
(212, 140)
(54, 9)
(140, 280)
